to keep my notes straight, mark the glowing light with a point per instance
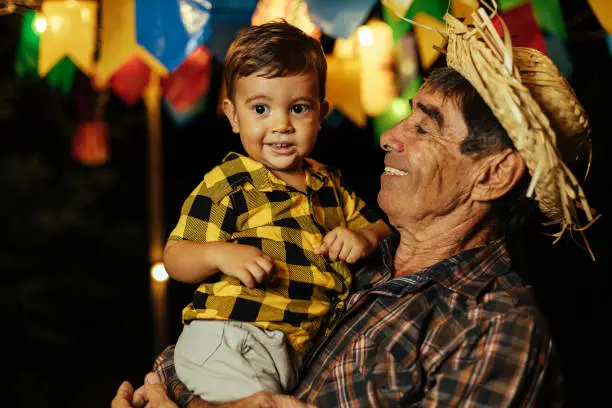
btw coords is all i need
(40, 24)
(365, 36)
(158, 272)
(400, 108)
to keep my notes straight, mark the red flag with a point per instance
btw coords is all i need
(523, 27)
(184, 87)
(130, 81)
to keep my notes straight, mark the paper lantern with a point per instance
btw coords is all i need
(343, 88)
(26, 61)
(172, 30)
(71, 27)
(61, 76)
(398, 110)
(603, 12)
(522, 25)
(549, 17)
(293, 11)
(429, 42)
(339, 19)
(90, 144)
(505, 5)
(377, 77)
(186, 86)
(130, 81)
(118, 42)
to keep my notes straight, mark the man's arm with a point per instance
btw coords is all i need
(501, 363)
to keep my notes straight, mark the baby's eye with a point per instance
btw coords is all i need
(300, 108)
(261, 109)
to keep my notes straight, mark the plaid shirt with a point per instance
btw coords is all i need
(242, 201)
(464, 332)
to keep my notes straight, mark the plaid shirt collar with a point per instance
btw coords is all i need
(467, 273)
(262, 178)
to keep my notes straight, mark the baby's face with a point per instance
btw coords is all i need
(277, 118)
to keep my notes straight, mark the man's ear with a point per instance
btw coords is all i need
(323, 111)
(500, 172)
(232, 115)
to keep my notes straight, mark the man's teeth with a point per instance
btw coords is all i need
(395, 172)
(281, 145)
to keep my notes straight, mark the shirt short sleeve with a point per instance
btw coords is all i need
(204, 219)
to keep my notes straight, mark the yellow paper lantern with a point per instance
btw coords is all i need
(428, 40)
(603, 11)
(69, 30)
(378, 87)
(401, 6)
(464, 9)
(118, 41)
(343, 88)
(293, 11)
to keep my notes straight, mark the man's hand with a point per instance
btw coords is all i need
(149, 395)
(246, 263)
(345, 244)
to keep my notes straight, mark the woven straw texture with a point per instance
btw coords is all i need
(536, 106)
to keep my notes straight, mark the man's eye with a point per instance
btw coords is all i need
(300, 108)
(261, 109)
(420, 130)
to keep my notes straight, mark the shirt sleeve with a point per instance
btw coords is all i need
(204, 219)
(503, 363)
(356, 212)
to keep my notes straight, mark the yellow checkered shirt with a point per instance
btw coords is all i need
(242, 201)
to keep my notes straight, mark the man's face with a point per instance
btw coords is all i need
(426, 175)
(277, 118)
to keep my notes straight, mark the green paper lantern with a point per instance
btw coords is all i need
(26, 61)
(61, 76)
(504, 5)
(549, 16)
(398, 110)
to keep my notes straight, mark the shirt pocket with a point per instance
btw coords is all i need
(389, 366)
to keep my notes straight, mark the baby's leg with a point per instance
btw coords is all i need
(223, 361)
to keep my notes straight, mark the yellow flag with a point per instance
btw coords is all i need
(603, 11)
(464, 9)
(343, 89)
(118, 41)
(427, 39)
(71, 31)
(401, 6)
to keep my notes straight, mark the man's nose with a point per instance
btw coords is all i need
(282, 123)
(390, 143)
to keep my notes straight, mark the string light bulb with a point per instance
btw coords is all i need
(40, 24)
(158, 272)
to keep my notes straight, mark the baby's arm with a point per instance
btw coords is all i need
(349, 245)
(191, 262)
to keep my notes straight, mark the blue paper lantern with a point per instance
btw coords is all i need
(172, 29)
(339, 18)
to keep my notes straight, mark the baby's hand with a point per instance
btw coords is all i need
(246, 263)
(344, 244)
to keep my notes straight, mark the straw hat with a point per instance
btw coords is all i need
(534, 103)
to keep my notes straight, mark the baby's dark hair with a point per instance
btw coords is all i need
(273, 50)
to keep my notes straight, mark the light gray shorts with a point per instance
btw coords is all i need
(223, 361)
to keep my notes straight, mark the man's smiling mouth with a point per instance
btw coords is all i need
(392, 171)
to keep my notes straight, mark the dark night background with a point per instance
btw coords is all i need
(74, 271)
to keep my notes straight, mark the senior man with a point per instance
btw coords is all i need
(440, 317)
